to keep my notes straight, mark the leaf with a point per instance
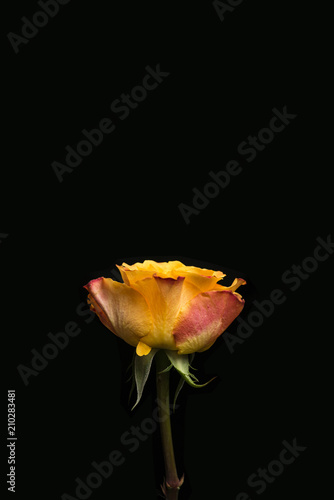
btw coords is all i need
(141, 369)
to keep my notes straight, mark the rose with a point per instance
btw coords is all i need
(166, 305)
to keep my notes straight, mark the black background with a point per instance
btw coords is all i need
(121, 204)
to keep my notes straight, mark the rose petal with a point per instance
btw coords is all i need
(203, 319)
(232, 288)
(163, 298)
(203, 283)
(143, 349)
(148, 268)
(120, 308)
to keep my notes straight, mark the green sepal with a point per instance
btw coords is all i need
(181, 363)
(132, 378)
(167, 369)
(177, 392)
(141, 370)
(181, 382)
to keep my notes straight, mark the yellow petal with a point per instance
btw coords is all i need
(203, 279)
(202, 282)
(149, 268)
(163, 297)
(232, 288)
(142, 349)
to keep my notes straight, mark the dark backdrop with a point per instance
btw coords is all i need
(222, 73)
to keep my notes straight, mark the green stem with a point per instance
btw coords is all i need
(172, 483)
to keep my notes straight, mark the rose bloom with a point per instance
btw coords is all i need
(166, 305)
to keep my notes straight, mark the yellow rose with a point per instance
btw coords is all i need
(166, 305)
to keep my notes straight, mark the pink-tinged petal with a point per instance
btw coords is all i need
(204, 318)
(120, 308)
